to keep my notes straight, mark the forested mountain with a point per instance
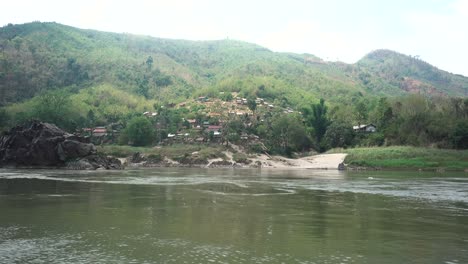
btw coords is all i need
(81, 79)
(37, 57)
(410, 74)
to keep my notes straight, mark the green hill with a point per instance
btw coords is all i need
(82, 79)
(38, 57)
(410, 74)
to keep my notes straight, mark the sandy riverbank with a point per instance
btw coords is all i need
(324, 161)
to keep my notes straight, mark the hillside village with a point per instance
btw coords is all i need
(205, 120)
(223, 91)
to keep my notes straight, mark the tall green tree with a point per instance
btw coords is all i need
(288, 134)
(143, 87)
(361, 112)
(382, 114)
(139, 131)
(252, 104)
(339, 135)
(91, 118)
(318, 119)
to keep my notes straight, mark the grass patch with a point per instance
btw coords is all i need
(406, 157)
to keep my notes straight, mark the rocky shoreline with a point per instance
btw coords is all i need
(44, 145)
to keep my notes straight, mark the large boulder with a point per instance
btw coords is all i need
(45, 145)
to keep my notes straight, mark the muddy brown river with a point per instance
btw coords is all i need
(232, 216)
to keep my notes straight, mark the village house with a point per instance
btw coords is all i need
(217, 134)
(214, 128)
(99, 132)
(178, 137)
(214, 114)
(370, 128)
(150, 114)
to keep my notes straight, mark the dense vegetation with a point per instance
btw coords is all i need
(83, 78)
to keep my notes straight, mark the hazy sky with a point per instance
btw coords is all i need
(436, 30)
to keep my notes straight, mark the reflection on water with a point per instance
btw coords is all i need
(232, 216)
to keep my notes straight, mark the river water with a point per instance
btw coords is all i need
(232, 216)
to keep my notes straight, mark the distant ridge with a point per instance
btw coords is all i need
(36, 57)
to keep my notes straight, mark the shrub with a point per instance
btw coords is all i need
(139, 131)
(241, 158)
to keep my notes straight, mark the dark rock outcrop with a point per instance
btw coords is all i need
(220, 163)
(93, 162)
(341, 166)
(45, 145)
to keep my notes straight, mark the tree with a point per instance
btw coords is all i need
(361, 112)
(143, 87)
(339, 135)
(288, 134)
(414, 119)
(460, 135)
(318, 119)
(252, 104)
(340, 113)
(384, 114)
(232, 130)
(57, 108)
(162, 80)
(226, 97)
(91, 117)
(149, 62)
(74, 74)
(139, 131)
(4, 118)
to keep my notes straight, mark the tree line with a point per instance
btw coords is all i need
(410, 120)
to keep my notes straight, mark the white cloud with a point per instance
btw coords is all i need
(439, 38)
(461, 7)
(93, 13)
(309, 37)
(166, 19)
